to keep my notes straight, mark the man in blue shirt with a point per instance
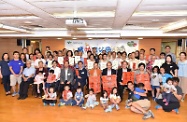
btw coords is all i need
(16, 68)
(28, 76)
(168, 52)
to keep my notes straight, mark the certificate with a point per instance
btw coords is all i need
(102, 65)
(71, 61)
(158, 62)
(61, 60)
(77, 59)
(115, 64)
(90, 64)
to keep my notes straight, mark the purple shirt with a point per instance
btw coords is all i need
(16, 65)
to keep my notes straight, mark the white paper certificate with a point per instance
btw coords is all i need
(90, 64)
(77, 59)
(158, 62)
(71, 61)
(103, 65)
(61, 60)
(115, 64)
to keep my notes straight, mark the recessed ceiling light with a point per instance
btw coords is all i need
(90, 38)
(155, 20)
(74, 38)
(140, 38)
(27, 22)
(59, 38)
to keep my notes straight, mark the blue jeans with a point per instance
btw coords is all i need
(75, 103)
(69, 102)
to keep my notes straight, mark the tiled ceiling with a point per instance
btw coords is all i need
(40, 13)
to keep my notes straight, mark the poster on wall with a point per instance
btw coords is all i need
(108, 45)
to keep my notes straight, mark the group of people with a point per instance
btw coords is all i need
(64, 72)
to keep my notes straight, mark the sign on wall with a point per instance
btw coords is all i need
(108, 45)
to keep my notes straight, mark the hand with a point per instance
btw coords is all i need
(62, 83)
(121, 83)
(1, 76)
(135, 92)
(78, 102)
(68, 82)
(79, 84)
(79, 77)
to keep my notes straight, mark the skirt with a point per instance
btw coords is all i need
(183, 84)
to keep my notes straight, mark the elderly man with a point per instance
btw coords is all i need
(27, 78)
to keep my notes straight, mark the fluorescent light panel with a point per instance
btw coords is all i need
(160, 13)
(175, 26)
(18, 17)
(85, 14)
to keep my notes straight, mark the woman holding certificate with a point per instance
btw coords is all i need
(102, 63)
(70, 59)
(90, 62)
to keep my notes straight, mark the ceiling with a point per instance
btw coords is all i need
(105, 18)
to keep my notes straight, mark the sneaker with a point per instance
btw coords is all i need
(146, 116)
(45, 104)
(176, 110)
(61, 104)
(108, 110)
(117, 107)
(158, 107)
(84, 108)
(96, 103)
(52, 104)
(153, 98)
(127, 107)
(152, 115)
(14, 94)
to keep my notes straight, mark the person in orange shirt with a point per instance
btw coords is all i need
(50, 80)
(95, 72)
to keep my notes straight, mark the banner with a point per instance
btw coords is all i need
(108, 45)
(95, 83)
(109, 82)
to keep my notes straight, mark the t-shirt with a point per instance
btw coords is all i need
(169, 88)
(38, 60)
(38, 79)
(155, 79)
(79, 95)
(5, 71)
(67, 94)
(91, 97)
(169, 67)
(104, 100)
(52, 95)
(165, 77)
(140, 91)
(114, 96)
(179, 92)
(16, 65)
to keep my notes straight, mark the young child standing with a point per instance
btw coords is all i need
(91, 101)
(39, 79)
(156, 79)
(50, 98)
(104, 100)
(168, 87)
(114, 99)
(78, 98)
(66, 97)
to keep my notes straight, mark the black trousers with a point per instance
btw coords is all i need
(40, 88)
(169, 107)
(49, 101)
(24, 86)
(6, 83)
(63, 85)
(120, 91)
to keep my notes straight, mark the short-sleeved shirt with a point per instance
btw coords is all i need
(79, 95)
(114, 96)
(182, 69)
(168, 67)
(38, 60)
(29, 71)
(16, 65)
(104, 100)
(179, 92)
(5, 71)
(57, 72)
(155, 79)
(165, 77)
(52, 95)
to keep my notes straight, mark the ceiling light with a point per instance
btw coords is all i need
(13, 28)
(74, 38)
(155, 20)
(160, 13)
(27, 22)
(140, 38)
(18, 17)
(94, 28)
(58, 38)
(175, 25)
(90, 38)
(85, 14)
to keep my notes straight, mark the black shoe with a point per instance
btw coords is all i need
(19, 98)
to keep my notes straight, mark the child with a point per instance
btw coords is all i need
(156, 79)
(114, 99)
(66, 97)
(104, 100)
(164, 75)
(39, 79)
(79, 98)
(50, 98)
(91, 101)
(140, 89)
(168, 87)
(49, 62)
(50, 79)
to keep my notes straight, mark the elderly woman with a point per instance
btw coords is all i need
(45, 72)
(140, 106)
(27, 78)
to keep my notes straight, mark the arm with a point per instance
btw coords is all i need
(179, 97)
(11, 70)
(176, 73)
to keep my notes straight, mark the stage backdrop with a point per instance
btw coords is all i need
(108, 45)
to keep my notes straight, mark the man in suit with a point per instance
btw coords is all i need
(66, 76)
(109, 70)
(120, 72)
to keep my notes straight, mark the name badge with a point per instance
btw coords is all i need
(69, 74)
(171, 66)
(82, 72)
